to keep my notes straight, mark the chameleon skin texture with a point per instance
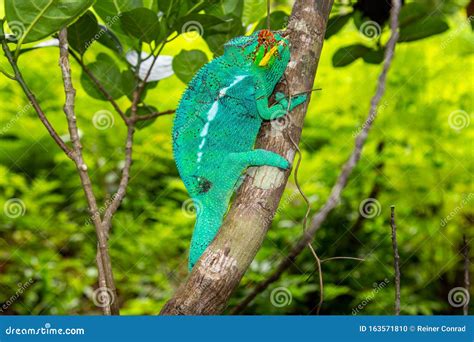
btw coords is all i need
(217, 122)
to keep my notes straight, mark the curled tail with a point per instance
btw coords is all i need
(208, 221)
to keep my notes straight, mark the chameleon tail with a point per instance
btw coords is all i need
(208, 222)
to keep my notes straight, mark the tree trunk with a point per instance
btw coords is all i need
(220, 269)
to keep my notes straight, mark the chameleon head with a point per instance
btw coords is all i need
(264, 49)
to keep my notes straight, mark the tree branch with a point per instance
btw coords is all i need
(219, 270)
(155, 115)
(104, 264)
(99, 86)
(34, 102)
(467, 283)
(120, 194)
(346, 171)
(396, 260)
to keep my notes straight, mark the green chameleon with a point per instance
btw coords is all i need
(217, 122)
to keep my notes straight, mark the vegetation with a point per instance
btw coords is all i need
(417, 158)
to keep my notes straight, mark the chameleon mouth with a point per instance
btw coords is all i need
(270, 54)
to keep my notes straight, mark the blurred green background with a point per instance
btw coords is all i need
(418, 158)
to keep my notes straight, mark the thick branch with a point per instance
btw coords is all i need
(350, 164)
(104, 264)
(221, 267)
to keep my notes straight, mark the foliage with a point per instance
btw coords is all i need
(416, 158)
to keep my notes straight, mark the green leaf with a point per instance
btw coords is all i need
(412, 12)
(374, 56)
(218, 35)
(187, 63)
(36, 19)
(165, 6)
(110, 13)
(81, 34)
(278, 21)
(336, 23)
(426, 27)
(348, 54)
(108, 74)
(141, 23)
(107, 9)
(197, 21)
(109, 39)
(226, 7)
(253, 11)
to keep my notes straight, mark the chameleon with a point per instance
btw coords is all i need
(217, 122)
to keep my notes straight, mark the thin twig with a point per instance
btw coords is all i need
(268, 14)
(467, 282)
(120, 194)
(396, 260)
(346, 171)
(99, 86)
(104, 264)
(154, 115)
(342, 258)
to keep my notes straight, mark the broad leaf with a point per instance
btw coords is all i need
(36, 19)
(253, 11)
(109, 39)
(141, 23)
(412, 12)
(108, 9)
(374, 56)
(423, 28)
(187, 63)
(348, 54)
(226, 7)
(336, 23)
(108, 74)
(278, 21)
(81, 34)
(218, 35)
